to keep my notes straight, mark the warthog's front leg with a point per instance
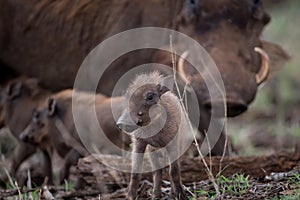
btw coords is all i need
(176, 181)
(70, 159)
(22, 152)
(157, 175)
(218, 148)
(48, 166)
(137, 164)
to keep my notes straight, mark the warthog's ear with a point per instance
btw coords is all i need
(277, 55)
(13, 89)
(166, 84)
(51, 106)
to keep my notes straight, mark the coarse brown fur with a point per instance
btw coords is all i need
(66, 31)
(69, 30)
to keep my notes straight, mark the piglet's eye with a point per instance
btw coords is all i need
(36, 114)
(150, 96)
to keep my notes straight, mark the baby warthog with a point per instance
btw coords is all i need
(17, 103)
(155, 118)
(53, 128)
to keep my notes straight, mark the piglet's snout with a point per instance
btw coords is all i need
(126, 123)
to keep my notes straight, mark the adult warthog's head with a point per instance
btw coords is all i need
(230, 31)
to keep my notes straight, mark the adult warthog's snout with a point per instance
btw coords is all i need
(126, 123)
(240, 81)
(234, 107)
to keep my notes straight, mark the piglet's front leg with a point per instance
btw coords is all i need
(137, 164)
(157, 175)
(21, 152)
(176, 181)
(70, 159)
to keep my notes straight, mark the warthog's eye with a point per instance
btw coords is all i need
(35, 120)
(35, 116)
(255, 5)
(255, 2)
(150, 96)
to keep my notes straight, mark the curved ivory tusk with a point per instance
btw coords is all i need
(181, 67)
(263, 73)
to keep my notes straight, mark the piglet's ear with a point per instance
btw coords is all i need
(51, 106)
(13, 89)
(32, 83)
(166, 84)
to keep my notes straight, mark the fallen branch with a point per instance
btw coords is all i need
(91, 171)
(78, 194)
